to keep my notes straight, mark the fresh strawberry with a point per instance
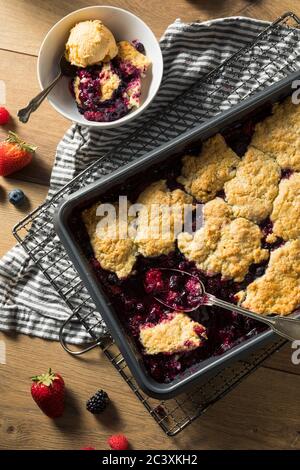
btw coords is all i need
(4, 116)
(14, 154)
(118, 442)
(48, 391)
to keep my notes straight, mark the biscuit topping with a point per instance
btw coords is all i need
(128, 53)
(279, 134)
(286, 210)
(252, 191)
(278, 290)
(177, 333)
(199, 246)
(223, 245)
(160, 219)
(204, 175)
(114, 251)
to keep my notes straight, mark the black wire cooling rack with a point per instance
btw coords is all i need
(272, 55)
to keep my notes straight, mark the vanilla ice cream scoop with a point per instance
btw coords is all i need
(89, 43)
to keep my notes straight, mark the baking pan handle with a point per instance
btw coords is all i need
(63, 342)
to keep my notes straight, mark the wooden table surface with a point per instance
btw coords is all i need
(261, 413)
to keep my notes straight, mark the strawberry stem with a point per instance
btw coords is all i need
(45, 379)
(13, 138)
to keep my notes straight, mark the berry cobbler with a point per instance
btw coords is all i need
(246, 249)
(108, 81)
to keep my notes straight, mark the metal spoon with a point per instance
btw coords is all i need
(288, 328)
(65, 68)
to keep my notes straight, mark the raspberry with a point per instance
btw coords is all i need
(153, 281)
(118, 442)
(88, 448)
(193, 287)
(4, 116)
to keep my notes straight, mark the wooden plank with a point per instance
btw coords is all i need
(262, 413)
(46, 126)
(270, 10)
(286, 359)
(24, 27)
(10, 215)
(26, 24)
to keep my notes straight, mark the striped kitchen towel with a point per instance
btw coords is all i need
(28, 302)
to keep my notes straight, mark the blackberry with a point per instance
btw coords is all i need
(98, 402)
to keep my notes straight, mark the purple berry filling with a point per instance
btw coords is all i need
(267, 229)
(89, 99)
(286, 174)
(138, 308)
(133, 297)
(154, 281)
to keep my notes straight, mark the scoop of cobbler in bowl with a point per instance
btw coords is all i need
(108, 91)
(115, 60)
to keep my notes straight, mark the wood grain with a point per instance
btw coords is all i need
(26, 23)
(261, 413)
(270, 9)
(282, 360)
(46, 126)
(10, 215)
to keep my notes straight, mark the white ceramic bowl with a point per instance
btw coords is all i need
(124, 26)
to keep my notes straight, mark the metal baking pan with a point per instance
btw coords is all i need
(87, 195)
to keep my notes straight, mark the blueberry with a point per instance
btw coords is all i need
(139, 46)
(286, 174)
(113, 279)
(16, 197)
(260, 270)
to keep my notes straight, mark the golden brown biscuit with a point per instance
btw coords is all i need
(286, 210)
(178, 333)
(203, 242)
(252, 191)
(128, 53)
(113, 252)
(278, 290)
(279, 134)
(238, 248)
(163, 209)
(109, 81)
(203, 176)
(223, 245)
